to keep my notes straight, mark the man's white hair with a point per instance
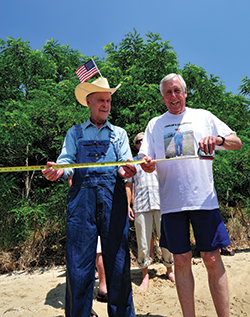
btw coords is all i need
(170, 76)
(140, 133)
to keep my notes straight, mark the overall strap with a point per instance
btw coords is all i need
(78, 130)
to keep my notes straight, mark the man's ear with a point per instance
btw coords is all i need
(87, 101)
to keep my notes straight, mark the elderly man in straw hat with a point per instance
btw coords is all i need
(97, 205)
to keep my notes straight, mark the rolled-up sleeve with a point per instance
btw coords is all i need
(68, 153)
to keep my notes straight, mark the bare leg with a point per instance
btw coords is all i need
(167, 260)
(170, 274)
(145, 280)
(101, 273)
(185, 283)
(217, 279)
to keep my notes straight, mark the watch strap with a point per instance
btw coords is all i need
(223, 140)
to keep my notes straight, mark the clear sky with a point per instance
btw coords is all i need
(213, 34)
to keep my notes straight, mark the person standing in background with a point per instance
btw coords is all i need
(144, 187)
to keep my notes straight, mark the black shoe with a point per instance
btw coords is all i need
(102, 297)
(227, 251)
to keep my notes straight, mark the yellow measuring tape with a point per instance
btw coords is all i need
(83, 165)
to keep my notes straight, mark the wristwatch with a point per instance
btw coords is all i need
(223, 140)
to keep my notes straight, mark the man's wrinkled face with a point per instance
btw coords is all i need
(173, 96)
(100, 104)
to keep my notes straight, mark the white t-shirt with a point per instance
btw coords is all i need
(185, 184)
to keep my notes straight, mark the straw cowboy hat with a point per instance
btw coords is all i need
(99, 85)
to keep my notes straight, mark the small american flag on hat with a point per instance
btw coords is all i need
(87, 71)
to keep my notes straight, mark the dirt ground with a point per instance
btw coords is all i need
(41, 292)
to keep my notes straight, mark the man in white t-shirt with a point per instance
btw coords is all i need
(187, 191)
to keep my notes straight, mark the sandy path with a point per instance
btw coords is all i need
(41, 292)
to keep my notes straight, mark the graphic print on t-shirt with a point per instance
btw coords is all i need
(179, 140)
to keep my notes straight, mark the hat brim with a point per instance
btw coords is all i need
(84, 89)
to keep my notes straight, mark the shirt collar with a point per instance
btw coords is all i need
(88, 123)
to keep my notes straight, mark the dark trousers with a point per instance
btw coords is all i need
(98, 206)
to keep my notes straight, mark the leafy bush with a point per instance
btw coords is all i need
(38, 106)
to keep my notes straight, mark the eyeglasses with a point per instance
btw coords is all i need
(138, 141)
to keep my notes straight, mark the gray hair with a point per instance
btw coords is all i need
(170, 76)
(140, 133)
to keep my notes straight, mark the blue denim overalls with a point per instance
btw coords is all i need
(97, 205)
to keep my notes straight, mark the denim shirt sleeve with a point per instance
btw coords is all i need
(68, 152)
(122, 143)
(124, 151)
